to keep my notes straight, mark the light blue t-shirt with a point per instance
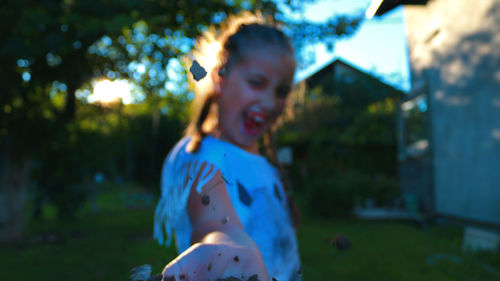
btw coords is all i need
(256, 192)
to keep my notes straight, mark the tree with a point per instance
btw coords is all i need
(52, 48)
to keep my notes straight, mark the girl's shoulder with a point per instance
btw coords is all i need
(233, 162)
(210, 150)
(213, 150)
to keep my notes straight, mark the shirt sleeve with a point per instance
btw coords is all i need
(181, 170)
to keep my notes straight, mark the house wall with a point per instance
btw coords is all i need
(454, 46)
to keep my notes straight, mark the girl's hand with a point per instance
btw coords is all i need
(206, 261)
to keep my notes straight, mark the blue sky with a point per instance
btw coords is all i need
(379, 47)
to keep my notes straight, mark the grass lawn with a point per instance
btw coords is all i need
(106, 245)
(391, 251)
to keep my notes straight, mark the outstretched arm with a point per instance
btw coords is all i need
(220, 246)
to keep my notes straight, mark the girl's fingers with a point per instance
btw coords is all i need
(173, 271)
(212, 262)
(199, 263)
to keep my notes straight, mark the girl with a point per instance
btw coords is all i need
(227, 203)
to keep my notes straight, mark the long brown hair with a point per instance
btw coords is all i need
(218, 50)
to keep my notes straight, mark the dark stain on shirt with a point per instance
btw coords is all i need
(277, 192)
(244, 195)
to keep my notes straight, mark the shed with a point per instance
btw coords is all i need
(449, 124)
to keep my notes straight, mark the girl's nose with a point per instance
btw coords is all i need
(268, 101)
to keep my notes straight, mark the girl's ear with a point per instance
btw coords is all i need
(218, 80)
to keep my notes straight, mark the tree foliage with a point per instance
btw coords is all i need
(59, 46)
(344, 139)
(53, 49)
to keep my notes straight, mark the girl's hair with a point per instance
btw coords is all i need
(219, 50)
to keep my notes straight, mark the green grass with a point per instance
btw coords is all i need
(97, 247)
(390, 251)
(106, 245)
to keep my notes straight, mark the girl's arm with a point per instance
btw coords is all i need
(220, 246)
(212, 210)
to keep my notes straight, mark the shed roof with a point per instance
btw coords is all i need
(330, 68)
(380, 7)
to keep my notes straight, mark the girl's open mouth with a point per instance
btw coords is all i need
(253, 122)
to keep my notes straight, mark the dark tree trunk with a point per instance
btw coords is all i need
(155, 126)
(129, 150)
(14, 183)
(70, 107)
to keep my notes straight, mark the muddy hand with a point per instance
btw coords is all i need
(202, 262)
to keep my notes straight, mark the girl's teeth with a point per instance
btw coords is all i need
(258, 119)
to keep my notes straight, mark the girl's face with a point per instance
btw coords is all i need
(253, 94)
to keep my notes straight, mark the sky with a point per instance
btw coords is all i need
(379, 47)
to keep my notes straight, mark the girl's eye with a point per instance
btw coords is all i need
(256, 83)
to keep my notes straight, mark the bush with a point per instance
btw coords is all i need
(336, 196)
(383, 190)
(332, 197)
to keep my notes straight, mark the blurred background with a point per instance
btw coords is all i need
(393, 140)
